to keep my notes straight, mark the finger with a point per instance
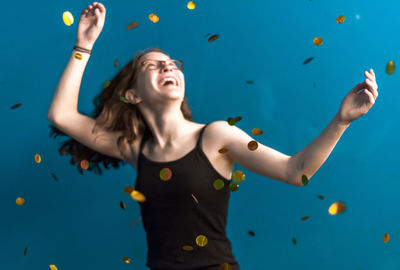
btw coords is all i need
(372, 72)
(369, 75)
(371, 97)
(371, 87)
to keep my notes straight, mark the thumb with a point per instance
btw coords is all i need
(359, 86)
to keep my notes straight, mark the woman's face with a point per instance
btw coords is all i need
(159, 79)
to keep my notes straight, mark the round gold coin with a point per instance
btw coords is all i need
(20, 201)
(165, 174)
(340, 19)
(386, 237)
(201, 240)
(317, 41)
(252, 145)
(337, 208)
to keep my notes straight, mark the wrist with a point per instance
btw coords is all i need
(84, 45)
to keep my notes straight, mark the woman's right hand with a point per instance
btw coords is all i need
(90, 25)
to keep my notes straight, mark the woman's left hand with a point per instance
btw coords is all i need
(356, 103)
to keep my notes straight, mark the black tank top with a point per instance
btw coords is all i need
(178, 210)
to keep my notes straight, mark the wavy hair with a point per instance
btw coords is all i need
(112, 114)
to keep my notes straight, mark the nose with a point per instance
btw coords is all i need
(166, 67)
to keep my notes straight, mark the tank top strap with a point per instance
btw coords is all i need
(200, 136)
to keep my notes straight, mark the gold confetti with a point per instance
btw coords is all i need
(233, 187)
(294, 241)
(337, 208)
(154, 18)
(116, 63)
(138, 196)
(213, 38)
(249, 82)
(225, 266)
(20, 201)
(256, 131)
(165, 174)
(191, 5)
(340, 19)
(38, 159)
(317, 41)
(84, 164)
(187, 248)
(126, 259)
(132, 25)
(233, 121)
(68, 18)
(194, 198)
(123, 99)
(320, 197)
(16, 106)
(252, 145)
(26, 249)
(106, 84)
(252, 233)
(304, 218)
(53, 267)
(201, 240)
(386, 237)
(122, 204)
(78, 56)
(304, 180)
(238, 176)
(128, 190)
(218, 184)
(223, 150)
(390, 67)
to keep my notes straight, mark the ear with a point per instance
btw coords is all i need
(132, 96)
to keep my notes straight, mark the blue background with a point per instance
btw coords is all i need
(77, 222)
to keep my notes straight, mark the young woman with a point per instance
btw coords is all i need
(143, 118)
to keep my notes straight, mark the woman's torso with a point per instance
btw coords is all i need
(211, 143)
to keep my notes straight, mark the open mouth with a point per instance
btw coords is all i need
(169, 81)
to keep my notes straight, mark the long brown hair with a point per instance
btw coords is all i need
(112, 114)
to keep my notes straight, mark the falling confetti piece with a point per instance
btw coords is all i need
(320, 197)
(132, 25)
(54, 176)
(225, 266)
(16, 106)
(386, 237)
(317, 41)
(165, 174)
(123, 99)
(294, 241)
(84, 164)
(68, 18)
(26, 249)
(78, 56)
(340, 19)
(304, 218)
(337, 208)
(126, 259)
(194, 198)
(187, 248)
(233, 187)
(154, 18)
(256, 131)
(136, 221)
(223, 150)
(249, 82)
(308, 60)
(201, 240)
(116, 63)
(128, 190)
(252, 233)
(238, 176)
(191, 5)
(390, 67)
(106, 84)
(304, 180)
(138, 196)
(20, 201)
(38, 159)
(122, 204)
(233, 121)
(213, 38)
(218, 184)
(53, 267)
(252, 145)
